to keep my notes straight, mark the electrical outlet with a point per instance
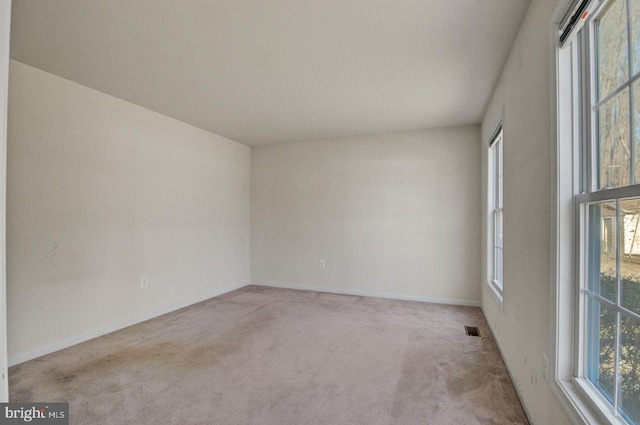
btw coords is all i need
(545, 367)
(144, 282)
(322, 264)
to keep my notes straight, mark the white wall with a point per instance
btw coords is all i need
(102, 192)
(395, 214)
(523, 328)
(5, 30)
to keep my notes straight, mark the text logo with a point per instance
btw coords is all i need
(34, 413)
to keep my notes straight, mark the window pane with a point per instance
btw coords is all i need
(636, 125)
(499, 172)
(613, 121)
(498, 277)
(635, 33)
(630, 258)
(601, 273)
(497, 251)
(630, 368)
(612, 49)
(600, 353)
(496, 176)
(499, 229)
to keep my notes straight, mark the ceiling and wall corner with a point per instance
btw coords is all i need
(274, 71)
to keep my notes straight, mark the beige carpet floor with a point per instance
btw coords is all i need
(283, 357)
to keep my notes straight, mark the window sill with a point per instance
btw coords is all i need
(583, 403)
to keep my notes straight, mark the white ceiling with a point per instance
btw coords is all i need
(271, 71)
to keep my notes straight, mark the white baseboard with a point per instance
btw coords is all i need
(516, 385)
(47, 349)
(389, 295)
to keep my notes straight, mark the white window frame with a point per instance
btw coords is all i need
(495, 214)
(572, 123)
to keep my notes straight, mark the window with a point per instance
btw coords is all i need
(496, 227)
(599, 110)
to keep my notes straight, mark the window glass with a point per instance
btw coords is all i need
(630, 255)
(498, 248)
(601, 347)
(636, 126)
(499, 150)
(615, 152)
(634, 6)
(629, 369)
(612, 48)
(613, 296)
(602, 249)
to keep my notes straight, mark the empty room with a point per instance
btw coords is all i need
(320, 212)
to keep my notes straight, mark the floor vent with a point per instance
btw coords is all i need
(472, 331)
